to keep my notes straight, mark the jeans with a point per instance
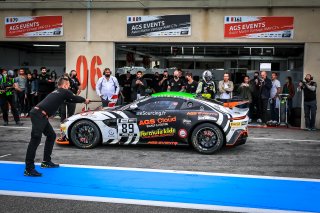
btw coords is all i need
(310, 110)
(40, 124)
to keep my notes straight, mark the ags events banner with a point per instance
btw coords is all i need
(272, 27)
(33, 26)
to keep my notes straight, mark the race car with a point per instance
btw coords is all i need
(167, 118)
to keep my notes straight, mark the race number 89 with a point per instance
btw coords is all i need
(126, 127)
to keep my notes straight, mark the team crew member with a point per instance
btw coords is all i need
(107, 86)
(44, 83)
(206, 86)
(40, 125)
(139, 85)
(21, 81)
(9, 85)
(309, 88)
(164, 81)
(69, 108)
(191, 85)
(126, 85)
(176, 84)
(265, 85)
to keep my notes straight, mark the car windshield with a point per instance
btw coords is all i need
(125, 107)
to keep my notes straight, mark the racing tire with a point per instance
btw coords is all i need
(85, 134)
(207, 138)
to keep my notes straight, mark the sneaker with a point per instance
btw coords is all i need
(32, 173)
(49, 164)
(307, 129)
(5, 123)
(313, 129)
(259, 120)
(18, 123)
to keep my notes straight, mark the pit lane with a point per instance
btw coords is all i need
(269, 152)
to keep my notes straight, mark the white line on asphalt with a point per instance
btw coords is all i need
(21, 127)
(179, 172)
(285, 139)
(2, 156)
(143, 202)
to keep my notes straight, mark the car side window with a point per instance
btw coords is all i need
(160, 104)
(192, 105)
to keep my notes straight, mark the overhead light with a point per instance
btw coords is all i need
(46, 45)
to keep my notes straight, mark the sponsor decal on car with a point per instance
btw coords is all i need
(186, 122)
(235, 124)
(157, 122)
(158, 133)
(182, 133)
(207, 117)
(155, 113)
(202, 113)
(163, 143)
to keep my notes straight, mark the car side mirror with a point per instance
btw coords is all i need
(133, 107)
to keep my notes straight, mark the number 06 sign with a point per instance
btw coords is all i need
(83, 71)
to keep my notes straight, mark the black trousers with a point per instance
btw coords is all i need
(5, 108)
(40, 125)
(310, 111)
(22, 103)
(71, 107)
(30, 102)
(264, 110)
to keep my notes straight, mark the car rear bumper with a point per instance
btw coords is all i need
(240, 137)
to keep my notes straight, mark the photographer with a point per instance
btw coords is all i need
(225, 87)
(309, 88)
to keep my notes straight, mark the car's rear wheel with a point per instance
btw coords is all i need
(207, 138)
(85, 134)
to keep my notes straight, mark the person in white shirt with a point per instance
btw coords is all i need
(107, 87)
(225, 87)
(274, 97)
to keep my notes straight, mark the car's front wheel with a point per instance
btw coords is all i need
(207, 138)
(85, 134)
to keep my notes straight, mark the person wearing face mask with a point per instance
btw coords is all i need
(254, 105)
(41, 125)
(126, 85)
(163, 84)
(9, 86)
(31, 91)
(155, 83)
(176, 84)
(206, 86)
(191, 85)
(3, 76)
(139, 85)
(288, 88)
(107, 87)
(309, 88)
(69, 108)
(44, 82)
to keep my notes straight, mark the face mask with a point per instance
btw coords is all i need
(107, 75)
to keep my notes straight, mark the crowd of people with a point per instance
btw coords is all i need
(23, 90)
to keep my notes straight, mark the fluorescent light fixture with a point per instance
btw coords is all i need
(46, 45)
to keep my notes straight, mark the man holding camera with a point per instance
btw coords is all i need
(139, 85)
(309, 88)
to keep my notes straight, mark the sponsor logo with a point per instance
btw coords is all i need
(163, 143)
(111, 132)
(207, 117)
(155, 113)
(203, 113)
(186, 122)
(158, 121)
(235, 124)
(158, 133)
(182, 133)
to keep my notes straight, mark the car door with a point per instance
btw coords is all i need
(158, 120)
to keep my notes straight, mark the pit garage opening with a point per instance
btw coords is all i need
(238, 59)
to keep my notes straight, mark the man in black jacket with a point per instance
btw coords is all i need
(265, 85)
(309, 88)
(40, 125)
(139, 85)
(44, 82)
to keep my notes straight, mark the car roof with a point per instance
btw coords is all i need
(174, 94)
